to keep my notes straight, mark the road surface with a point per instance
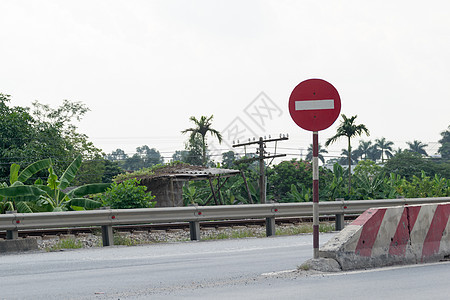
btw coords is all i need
(223, 269)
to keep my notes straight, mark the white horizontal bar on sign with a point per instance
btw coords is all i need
(314, 104)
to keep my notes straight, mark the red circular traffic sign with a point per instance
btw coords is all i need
(314, 104)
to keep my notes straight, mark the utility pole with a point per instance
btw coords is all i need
(262, 155)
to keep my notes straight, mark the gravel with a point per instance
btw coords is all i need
(87, 240)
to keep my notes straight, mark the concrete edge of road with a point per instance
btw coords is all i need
(388, 236)
(19, 245)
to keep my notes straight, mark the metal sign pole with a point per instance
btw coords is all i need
(315, 167)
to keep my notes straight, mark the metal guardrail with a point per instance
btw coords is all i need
(106, 218)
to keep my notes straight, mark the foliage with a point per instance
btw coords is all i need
(112, 169)
(444, 149)
(309, 155)
(367, 168)
(287, 173)
(407, 164)
(147, 171)
(385, 148)
(50, 197)
(42, 133)
(425, 186)
(201, 129)
(127, 194)
(25, 203)
(348, 129)
(304, 195)
(372, 187)
(145, 157)
(417, 147)
(228, 159)
(344, 159)
(364, 149)
(56, 198)
(233, 191)
(336, 188)
(69, 243)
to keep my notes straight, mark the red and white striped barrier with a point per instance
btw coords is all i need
(395, 235)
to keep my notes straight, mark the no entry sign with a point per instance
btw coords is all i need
(314, 104)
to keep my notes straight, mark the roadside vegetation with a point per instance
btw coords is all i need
(48, 165)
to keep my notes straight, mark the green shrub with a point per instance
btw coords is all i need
(128, 194)
(70, 243)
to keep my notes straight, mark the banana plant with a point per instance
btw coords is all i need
(336, 189)
(304, 195)
(18, 196)
(56, 198)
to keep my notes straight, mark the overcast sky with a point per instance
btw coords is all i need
(144, 67)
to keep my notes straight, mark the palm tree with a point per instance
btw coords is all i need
(374, 153)
(309, 156)
(417, 146)
(354, 157)
(348, 129)
(364, 149)
(203, 126)
(385, 147)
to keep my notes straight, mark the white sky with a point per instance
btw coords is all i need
(145, 67)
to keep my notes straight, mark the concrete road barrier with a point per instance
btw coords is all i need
(19, 245)
(395, 235)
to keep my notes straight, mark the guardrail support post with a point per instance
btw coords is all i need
(107, 235)
(12, 234)
(339, 221)
(270, 226)
(194, 228)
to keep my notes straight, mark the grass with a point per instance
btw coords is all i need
(305, 228)
(304, 267)
(70, 243)
(235, 234)
(125, 241)
(246, 233)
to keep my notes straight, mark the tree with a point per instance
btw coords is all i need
(112, 169)
(309, 155)
(408, 164)
(58, 133)
(133, 163)
(151, 156)
(180, 155)
(348, 129)
(385, 147)
(364, 149)
(128, 194)
(418, 147)
(354, 157)
(286, 173)
(28, 196)
(201, 129)
(56, 198)
(117, 154)
(16, 133)
(444, 149)
(54, 195)
(228, 159)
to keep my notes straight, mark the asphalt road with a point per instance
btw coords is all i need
(224, 269)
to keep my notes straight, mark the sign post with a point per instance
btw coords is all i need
(314, 105)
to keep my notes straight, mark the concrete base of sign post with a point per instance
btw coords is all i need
(321, 264)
